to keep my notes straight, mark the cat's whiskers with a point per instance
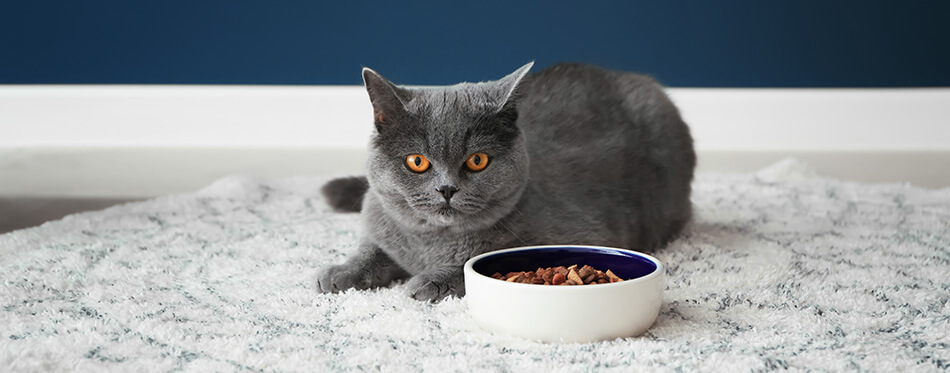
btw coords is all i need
(515, 209)
(503, 225)
(415, 200)
(470, 204)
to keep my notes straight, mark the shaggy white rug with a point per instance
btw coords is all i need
(781, 269)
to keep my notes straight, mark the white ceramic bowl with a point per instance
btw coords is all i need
(566, 313)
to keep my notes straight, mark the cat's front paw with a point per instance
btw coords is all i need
(337, 278)
(435, 286)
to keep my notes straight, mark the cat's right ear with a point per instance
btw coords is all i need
(389, 101)
(508, 84)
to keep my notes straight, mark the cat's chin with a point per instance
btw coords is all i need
(456, 217)
(440, 220)
(448, 211)
(446, 215)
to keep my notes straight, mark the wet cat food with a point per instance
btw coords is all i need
(561, 275)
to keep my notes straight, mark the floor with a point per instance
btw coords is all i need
(18, 213)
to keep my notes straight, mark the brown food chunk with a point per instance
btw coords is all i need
(574, 277)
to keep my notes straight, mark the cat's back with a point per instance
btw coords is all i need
(608, 144)
(580, 119)
(576, 105)
(578, 84)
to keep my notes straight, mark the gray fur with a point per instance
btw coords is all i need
(579, 155)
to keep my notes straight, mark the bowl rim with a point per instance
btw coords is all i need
(660, 268)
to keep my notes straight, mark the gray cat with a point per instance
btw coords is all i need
(574, 154)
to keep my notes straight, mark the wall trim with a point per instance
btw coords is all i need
(139, 141)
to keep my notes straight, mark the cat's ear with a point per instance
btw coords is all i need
(389, 101)
(508, 85)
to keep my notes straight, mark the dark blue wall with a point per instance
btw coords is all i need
(699, 43)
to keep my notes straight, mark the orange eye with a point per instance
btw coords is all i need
(417, 163)
(477, 161)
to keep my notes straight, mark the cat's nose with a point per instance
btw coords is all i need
(447, 191)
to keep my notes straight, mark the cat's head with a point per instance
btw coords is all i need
(447, 156)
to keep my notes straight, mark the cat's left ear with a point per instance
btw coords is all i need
(509, 84)
(389, 100)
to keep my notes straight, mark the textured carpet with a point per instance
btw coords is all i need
(781, 269)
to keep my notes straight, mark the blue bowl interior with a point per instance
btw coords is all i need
(625, 265)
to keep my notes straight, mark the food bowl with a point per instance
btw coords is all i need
(565, 313)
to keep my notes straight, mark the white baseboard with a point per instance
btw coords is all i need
(139, 141)
(339, 116)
